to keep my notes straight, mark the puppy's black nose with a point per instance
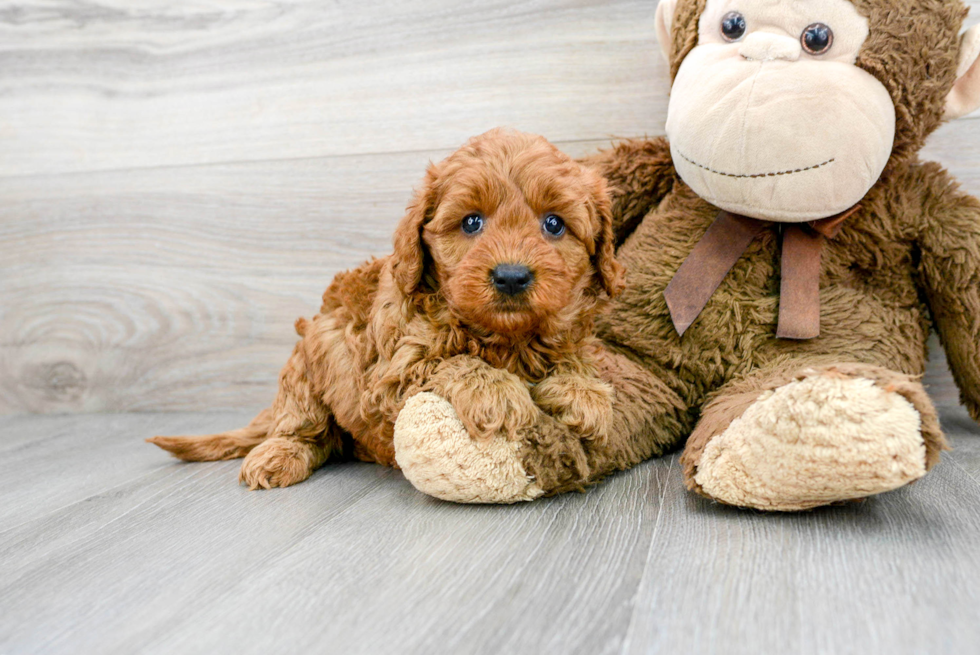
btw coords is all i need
(511, 279)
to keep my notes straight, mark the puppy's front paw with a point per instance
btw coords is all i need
(276, 462)
(439, 458)
(490, 402)
(584, 404)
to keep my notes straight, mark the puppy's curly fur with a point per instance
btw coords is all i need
(430, 317)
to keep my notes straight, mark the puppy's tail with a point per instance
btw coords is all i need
(224, 445)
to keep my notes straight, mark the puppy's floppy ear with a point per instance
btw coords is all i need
(610, 273)
(409, 257)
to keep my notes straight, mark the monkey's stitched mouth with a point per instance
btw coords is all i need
(756, 175)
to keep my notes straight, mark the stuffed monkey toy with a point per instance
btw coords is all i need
(787, 256)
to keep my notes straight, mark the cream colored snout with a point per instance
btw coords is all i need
(765, 46)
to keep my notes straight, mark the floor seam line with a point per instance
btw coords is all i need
(646, 564)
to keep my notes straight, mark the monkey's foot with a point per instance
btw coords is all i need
(825, 437)
(440, 459)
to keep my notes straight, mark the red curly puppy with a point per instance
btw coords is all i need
(488, 299)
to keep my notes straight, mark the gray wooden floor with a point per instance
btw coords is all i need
(108, 547)
(179, 180)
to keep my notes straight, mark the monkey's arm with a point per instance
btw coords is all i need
(950, 267)
(640, 173)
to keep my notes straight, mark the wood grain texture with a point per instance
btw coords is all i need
(109, 546)
(112, 84)
(881, 576)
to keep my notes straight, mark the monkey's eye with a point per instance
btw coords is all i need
(817, 38)
(733, 26)
(553, 225)
(472, 223)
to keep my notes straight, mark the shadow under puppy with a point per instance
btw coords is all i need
(498, 267)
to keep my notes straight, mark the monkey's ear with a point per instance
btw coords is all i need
(409, 257)
(965, 96)
(609, 272)
(664, 21)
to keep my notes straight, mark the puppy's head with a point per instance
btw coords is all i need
(516, 235)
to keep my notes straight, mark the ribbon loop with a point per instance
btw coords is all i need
(704, 269)
(724, 243)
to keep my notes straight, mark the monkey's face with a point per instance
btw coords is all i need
(770, 118)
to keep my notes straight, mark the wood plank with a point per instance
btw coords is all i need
(55, 462)
(963, 434)
(161, 565)
(113, 85)
(894, 574)
(106, 85)
(449, 578)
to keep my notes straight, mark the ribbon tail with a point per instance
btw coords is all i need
(799, 292)
(707, 265)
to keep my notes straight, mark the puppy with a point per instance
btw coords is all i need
(498, 267)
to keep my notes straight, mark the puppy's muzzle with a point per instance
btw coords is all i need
(511, 279)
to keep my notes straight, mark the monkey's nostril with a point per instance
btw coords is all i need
(511, 279)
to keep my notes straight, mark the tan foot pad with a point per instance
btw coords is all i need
(813, 442)
(439, 457)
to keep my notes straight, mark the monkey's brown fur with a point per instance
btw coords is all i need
(427, 318)
(907, 262)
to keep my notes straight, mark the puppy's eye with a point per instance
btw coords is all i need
(553, 225)
(817, 39)
(472, 223)
(733, 26)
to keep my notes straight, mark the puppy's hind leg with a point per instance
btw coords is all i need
(302, 435)
(290, 456)
(223, 445)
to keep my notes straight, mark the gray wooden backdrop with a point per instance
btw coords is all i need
(180, 180)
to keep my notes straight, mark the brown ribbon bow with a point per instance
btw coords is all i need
(723, 245)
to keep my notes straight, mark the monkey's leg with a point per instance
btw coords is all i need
(302, 436)
(795, 437)
(440, 457)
